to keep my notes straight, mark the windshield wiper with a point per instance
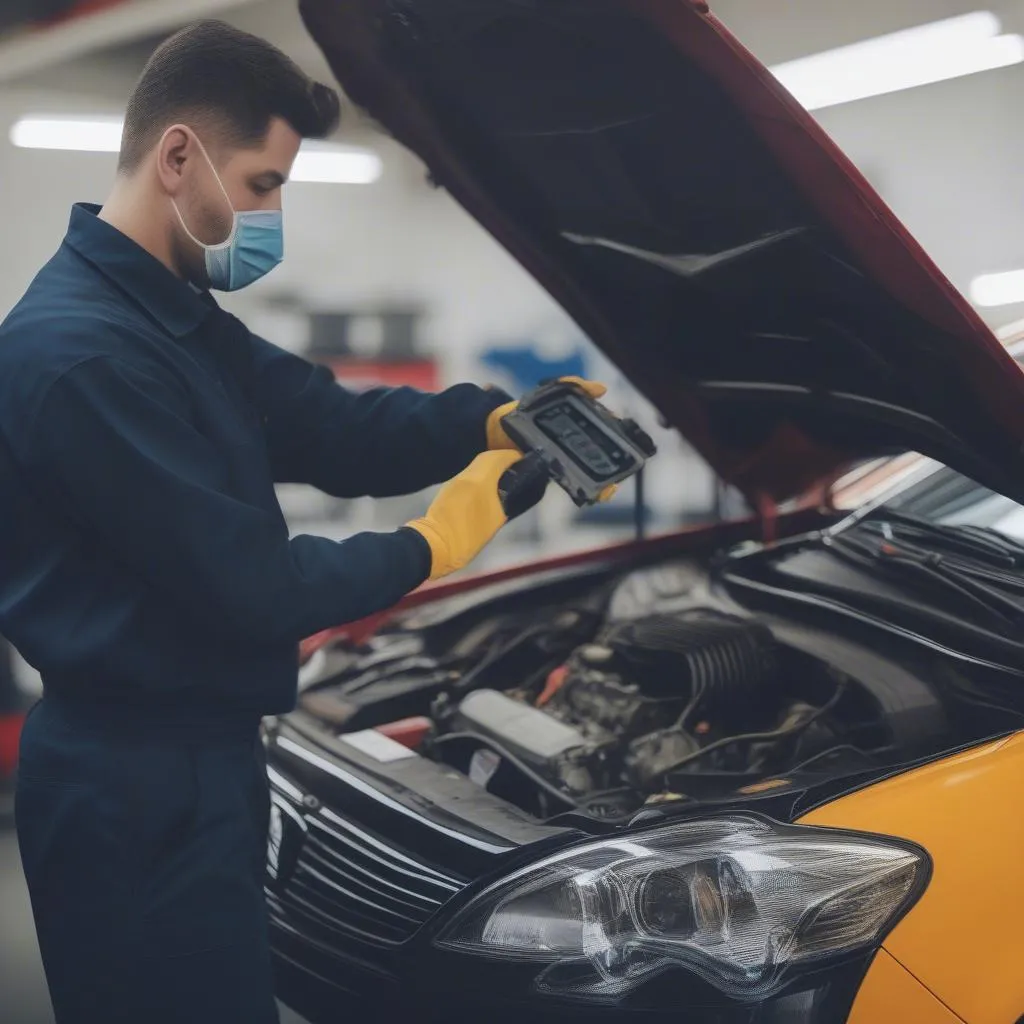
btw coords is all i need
(978, 551)
(955, 578)
(973, 541)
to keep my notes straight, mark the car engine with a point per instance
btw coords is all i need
(603, 696)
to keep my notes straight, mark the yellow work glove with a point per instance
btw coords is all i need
(498, 440)
(466, 513)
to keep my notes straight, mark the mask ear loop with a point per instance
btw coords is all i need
(219, 246)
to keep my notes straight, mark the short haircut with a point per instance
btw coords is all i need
(212, 76)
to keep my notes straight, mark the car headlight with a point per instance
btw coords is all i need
(740, 901)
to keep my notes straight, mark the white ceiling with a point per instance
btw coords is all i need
(779, 30)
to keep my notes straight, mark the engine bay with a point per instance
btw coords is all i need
(644, 707)
(605, 693)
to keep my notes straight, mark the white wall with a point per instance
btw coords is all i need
(395, 240)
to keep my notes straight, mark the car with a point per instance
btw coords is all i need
(760, 771)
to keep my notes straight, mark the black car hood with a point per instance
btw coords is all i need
(697, 223)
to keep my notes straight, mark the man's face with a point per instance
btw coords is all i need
(252, 179)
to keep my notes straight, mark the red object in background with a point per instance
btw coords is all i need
(10, 733)
(416, 373)
(80, 9)
(410, 732)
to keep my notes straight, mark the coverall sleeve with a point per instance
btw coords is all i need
(379, 442)
(114, 445)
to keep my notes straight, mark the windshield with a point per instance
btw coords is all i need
(948, 498)
(921, 487)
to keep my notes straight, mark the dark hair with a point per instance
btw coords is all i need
(211, 75)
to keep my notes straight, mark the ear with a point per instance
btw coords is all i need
(175, 148)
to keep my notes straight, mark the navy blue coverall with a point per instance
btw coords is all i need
(146, 570)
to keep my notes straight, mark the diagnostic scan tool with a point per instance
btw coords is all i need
(569, 437)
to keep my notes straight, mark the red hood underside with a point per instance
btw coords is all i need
(697, 223)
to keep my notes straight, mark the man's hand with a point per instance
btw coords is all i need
(466, 513)
(498, 440)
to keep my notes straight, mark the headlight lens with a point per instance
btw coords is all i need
(739, 901)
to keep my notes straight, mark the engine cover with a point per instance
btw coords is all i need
(553, 749)
(522, 730)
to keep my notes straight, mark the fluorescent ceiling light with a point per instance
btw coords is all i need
(317, 162)
(326, 164)
(998, 289)
(917, 56)
(81, 134)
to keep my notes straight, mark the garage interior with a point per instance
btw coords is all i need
(388, 279)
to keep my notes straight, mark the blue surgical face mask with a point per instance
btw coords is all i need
(254, 247)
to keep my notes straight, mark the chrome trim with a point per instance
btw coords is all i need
(420, 870)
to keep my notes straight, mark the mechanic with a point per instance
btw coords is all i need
(146, 568)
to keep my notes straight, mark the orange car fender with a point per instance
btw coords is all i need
(964, 939)
(890, 994)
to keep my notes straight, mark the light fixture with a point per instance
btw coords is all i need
(929, 53)
(81, 134)
(998, 289)
(323, 163)
(317, 162)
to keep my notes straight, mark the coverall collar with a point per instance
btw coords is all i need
(172, 302)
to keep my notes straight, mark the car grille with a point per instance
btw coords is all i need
(354, 892)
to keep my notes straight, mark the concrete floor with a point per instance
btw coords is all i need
(23, 995)
(22, 983)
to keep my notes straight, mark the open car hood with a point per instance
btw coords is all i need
(697, 223)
